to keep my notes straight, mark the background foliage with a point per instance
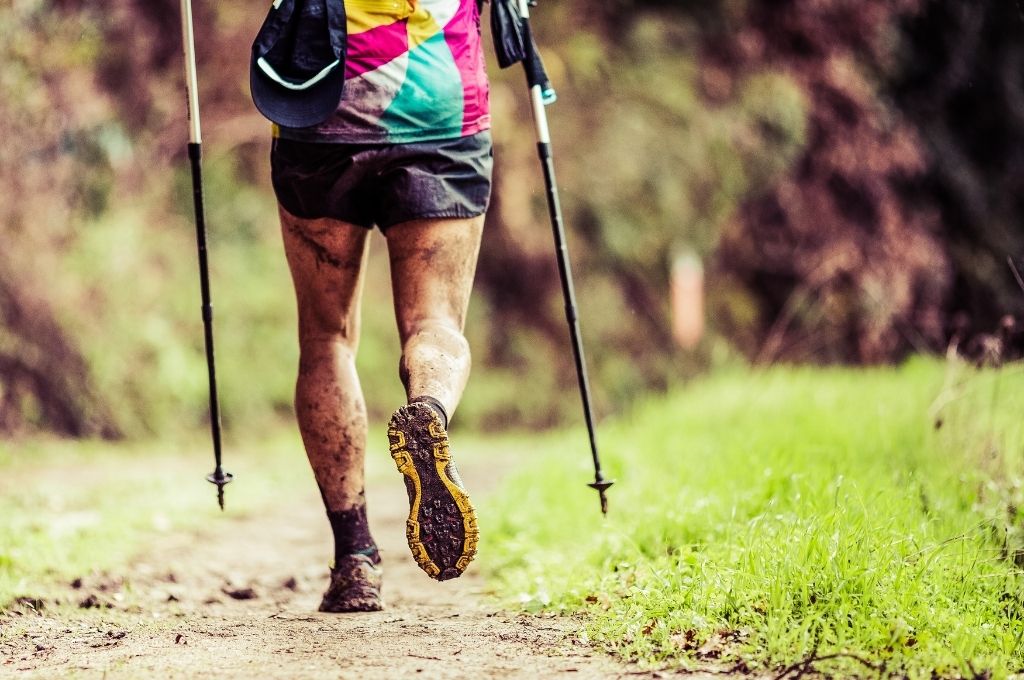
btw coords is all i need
(849, 172)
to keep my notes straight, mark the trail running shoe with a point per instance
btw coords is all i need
(441, 528)
(355, 586)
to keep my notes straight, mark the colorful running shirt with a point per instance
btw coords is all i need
(414, 72)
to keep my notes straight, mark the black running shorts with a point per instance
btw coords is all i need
(383, 184)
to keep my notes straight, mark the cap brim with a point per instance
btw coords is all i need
(296, 109)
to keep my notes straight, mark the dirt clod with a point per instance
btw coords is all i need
(35, 604)
(93, 601)
(240, 593)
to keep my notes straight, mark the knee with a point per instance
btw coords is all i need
(331, 346)
(319, 330)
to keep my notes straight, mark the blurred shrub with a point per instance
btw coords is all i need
(840, 264)
(647, 167)
(55, 169)
(956, 77)
(757, 134)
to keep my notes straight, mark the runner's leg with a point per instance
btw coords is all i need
(432, 267)
(327, 258)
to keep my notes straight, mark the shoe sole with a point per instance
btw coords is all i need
(441, 528)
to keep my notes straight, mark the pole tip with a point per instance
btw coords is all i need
(221, 479)
(602, 485)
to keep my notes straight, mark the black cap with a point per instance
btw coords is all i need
(297, 70)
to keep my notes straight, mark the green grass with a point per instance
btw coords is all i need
(763, 519)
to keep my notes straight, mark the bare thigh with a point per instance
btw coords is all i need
(327, 258)
(433, 263)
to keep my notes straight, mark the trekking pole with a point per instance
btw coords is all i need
(195, 156)
(542, 94)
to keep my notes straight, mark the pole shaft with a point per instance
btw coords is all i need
(542, 93)
(568, 290)
(195, 156)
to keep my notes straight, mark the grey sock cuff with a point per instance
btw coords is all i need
(434, 404)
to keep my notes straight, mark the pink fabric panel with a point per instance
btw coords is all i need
(374, 48)
(463, 39)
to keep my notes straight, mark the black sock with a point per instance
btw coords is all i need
(434, 404)
(352, 534)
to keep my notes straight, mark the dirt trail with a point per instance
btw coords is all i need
(244, 605)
